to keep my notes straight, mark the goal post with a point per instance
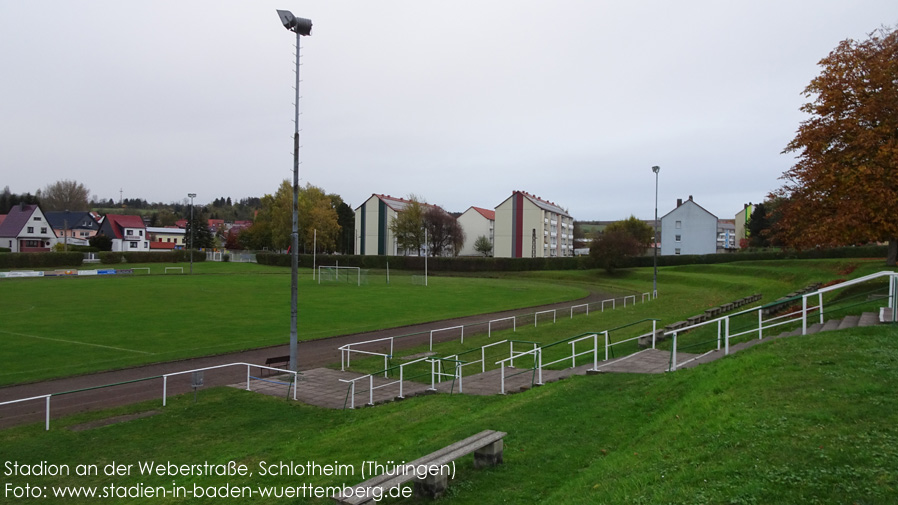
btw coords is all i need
(342, 274)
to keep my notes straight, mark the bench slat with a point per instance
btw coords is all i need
(440, 457)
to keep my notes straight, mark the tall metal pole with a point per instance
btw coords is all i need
(655, 169)
(299, 26)
(294, 258)
(192, 226)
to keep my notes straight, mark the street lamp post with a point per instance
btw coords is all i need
(655, 169)
(299, 26)
(192, 226)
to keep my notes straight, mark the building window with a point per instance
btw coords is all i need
(679, 224)
(31, 229)
(43, 231)
(677, 238)
(37, 218)
(677, 250)
(133, 245)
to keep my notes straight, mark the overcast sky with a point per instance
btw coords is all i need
(458, 102)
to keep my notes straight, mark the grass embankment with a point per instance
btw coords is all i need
(798, 420)
(54, 327)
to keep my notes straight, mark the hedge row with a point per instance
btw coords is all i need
(469, 264)
(176, 256)
(41, 260)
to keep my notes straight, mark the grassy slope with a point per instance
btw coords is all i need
(800, 420)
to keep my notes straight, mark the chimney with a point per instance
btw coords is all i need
(679, 202)
(690, 198)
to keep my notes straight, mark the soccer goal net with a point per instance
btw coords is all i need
(349, 275)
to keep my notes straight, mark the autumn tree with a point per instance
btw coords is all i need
(641, 231)
(843, 189)
(408, 225)
(444, 235)
(273, 226)
(611, 249)
(64, 195)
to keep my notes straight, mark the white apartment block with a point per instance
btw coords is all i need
(527, 226)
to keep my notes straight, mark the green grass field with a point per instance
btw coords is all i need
(84, 324)
(799, 420)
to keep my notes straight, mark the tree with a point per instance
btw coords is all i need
(64, 195)
(101, 242)
(641, 231)
(444, 234)
(611, 249)
(843, 188)
(483, 246)
(197, 235)
(408, 226)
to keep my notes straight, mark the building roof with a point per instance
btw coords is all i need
(489, 214)
(539, 202)
(680, 203)
(16, 219)
(398, 204)
(60, 220)
(119, 222)
(2, 217)
(171, 230)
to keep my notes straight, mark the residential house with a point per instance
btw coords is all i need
(688, 229)
(167, 238)
(25, 229)
(477, 222)
(128, 233)
(528, 226)
(742, 219)
(73, 228)
(372, 225)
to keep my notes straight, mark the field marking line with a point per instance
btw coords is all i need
(75, 342)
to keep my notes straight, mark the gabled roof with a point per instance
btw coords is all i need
(16, 220)
(487, 213)
(119, 222)
(690, 200)
(61, 220)
(398, 204)
(539, 202)
(2, 217)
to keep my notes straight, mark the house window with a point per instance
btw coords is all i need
(37, 218)
(133, 245)
(140, 233)
(679, 224)
(677, 238)
(44, 231)
(677, 250)
(31, 229)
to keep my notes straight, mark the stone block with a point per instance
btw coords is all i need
(489, 455)
(431, 486)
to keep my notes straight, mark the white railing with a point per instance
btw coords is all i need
(577, 307)
(447, 329)
(631, 297)
(489, 325)
(537, 355)
(249, 377)
(346, 351)
(723, 322)
(605, 301)
(536, 316)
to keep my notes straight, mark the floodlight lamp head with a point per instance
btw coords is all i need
(656, 169)
(191, 195)
(302, 26)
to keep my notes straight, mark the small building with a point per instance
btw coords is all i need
(372, 225)
(25, 229)
(477, 222)
(527, 226)
(166, 238)
(73, 227)
(726, 235)
(688, 229)
(128, 233)
(742, 219)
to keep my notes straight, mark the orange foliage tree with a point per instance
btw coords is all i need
(843, 188)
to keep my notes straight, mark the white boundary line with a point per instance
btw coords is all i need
(75, 342)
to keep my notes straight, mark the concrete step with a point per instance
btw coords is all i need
(849, 322)
(812, 329)
(832, 324)
(869, 319)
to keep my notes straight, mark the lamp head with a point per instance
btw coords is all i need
(191, 195)
(656, 169)
(301, 26)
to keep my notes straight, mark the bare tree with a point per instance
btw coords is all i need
(444, 234)
(64, 195)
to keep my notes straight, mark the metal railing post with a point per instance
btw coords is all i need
(400, 381)
(820, 305)
(370, 390)
(247, 378)
(352, 394)
(433, 383)
(539, 364)
(804, 314)
(573, 356)
(47, 419)
(760, 324)
(673, 353)
(502, 379)
(164, 389)
(726, 336)
(595, 351)
(718, 334)
(654, 331)
(606, 345)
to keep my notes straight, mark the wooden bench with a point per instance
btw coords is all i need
(277, 362)
(487, 447)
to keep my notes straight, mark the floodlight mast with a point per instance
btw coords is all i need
(300, 26)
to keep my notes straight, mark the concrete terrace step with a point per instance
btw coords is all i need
(849, 322)
(869, 319)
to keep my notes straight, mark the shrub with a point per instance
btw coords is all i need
(41, 260)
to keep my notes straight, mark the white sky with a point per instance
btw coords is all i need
(458, 102)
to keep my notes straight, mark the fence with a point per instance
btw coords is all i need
(724, 334)
(165, 386)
